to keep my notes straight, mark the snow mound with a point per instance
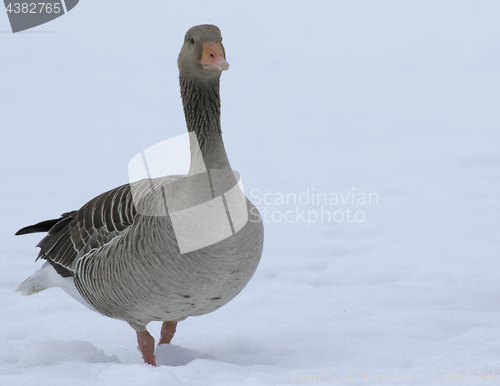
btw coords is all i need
(172, 355)
(55, 352)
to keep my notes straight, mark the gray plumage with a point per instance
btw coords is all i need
(127, 264)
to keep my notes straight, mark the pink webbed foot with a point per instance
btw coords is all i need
(167, 332)
(147, 346)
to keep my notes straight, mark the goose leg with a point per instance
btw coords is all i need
(167, 332)
(147, 346)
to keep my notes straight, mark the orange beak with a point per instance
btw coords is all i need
(212, 57)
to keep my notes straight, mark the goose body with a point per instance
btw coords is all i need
(122, 255)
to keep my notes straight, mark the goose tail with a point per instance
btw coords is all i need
(39, 281)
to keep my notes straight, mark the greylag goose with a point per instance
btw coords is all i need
(159, 249)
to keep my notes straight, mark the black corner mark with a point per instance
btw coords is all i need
(70, 4)
(27, 14)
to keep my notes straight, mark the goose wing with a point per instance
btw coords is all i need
(77, 232)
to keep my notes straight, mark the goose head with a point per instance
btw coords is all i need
(202, 55)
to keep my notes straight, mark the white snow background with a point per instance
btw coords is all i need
(396, 98)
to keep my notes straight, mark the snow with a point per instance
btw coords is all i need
(398, 99)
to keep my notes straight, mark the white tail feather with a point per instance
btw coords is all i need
(39, 281)
(47, 277)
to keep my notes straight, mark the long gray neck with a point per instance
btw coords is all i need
(201, 101)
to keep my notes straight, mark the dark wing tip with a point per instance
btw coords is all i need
(43, 226)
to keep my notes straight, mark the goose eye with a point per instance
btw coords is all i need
(192, 41)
